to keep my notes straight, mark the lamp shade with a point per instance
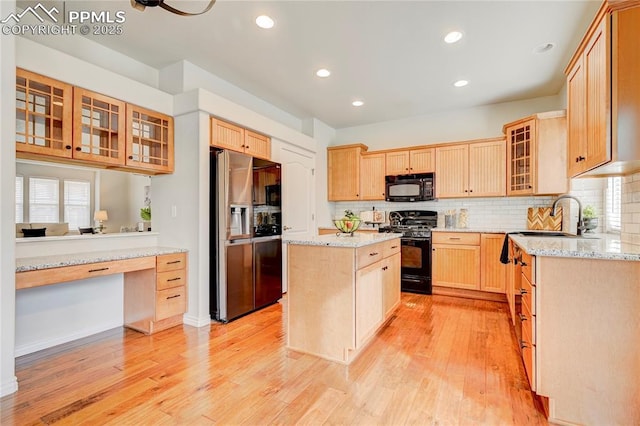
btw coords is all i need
(100, 215)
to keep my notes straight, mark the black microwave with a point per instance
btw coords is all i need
(413, 187)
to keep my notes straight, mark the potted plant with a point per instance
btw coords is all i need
(145, 215)
(589, 219)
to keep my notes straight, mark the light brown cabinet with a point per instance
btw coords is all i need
(493, 276)
(391, 283)
(471, 170)
(372, 173)
(149, 140)
(603, 95)
(408, 161)
(230, 136)
(536, 154)
(343, 172)
(44, 108)
(456, 260)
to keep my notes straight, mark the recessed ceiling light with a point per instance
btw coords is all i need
(263, 21)
(357, 103)
(461, 83)
(545, 47)
(453, 36)
(323, 72)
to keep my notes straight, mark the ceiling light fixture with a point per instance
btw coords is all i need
(461, 83)
(453, 37)
(142, 4)
(357, 103)
(264, 21)
(543, 48)
(323, 72)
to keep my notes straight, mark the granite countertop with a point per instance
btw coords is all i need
(25, 264)
(594, 246)
(357, 240)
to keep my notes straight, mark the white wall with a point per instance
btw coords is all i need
(117, 190)
(8, 382)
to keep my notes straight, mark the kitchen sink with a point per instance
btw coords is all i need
(555, 234)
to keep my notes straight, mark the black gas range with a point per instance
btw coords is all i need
(415, 227)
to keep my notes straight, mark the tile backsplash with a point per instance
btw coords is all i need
(631, 209)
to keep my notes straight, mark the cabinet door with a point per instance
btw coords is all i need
(576, 120)
(390, 284)
(397, 162)
(343, 174)
(422, 160)
(98, 127)
(493, 272)
(487, 169)
(368, 302)
(149, 140)
(257, 145)
(597, 80)
(452, 171)
(521, 160)
(43, 115)
(372, 172)
(456, 266)
(227, 135)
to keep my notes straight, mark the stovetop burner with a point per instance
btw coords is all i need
(412, 223)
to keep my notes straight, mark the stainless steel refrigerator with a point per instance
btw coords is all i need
(245, 235)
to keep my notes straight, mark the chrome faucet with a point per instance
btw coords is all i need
(553, 210)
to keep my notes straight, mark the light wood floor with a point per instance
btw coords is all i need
(441, 360)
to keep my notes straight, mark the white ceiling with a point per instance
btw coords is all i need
(390, 54)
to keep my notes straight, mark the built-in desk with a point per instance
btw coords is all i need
(155, 280)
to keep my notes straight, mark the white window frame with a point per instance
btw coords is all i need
(19, 199)
(67, 204)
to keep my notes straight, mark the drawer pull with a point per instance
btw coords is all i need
(384, 268)
(522, 317)
(173, 297)
(454, 238)
(523, 344)
(375, 253)
(523, 291)
(174, 262)
(523, 263)
(394, 247)
(174, 279)
(98, 270)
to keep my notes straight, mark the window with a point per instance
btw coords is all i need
(44, 200)
(19, 199)
(77, 203)
(614, 197)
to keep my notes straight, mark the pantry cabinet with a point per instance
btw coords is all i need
(230, 136)
(407, 161)
(471, 170)
(343, 172)
(536, 154)
(603, 95)
(372, 173)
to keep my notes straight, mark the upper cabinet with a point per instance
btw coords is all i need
(236, 138)
(44, 109)
(537, 141)
(603, 95)
(56, 121)
(149, 140)
(471, 170)
(408, 161)
(372, 173)
(343, 172)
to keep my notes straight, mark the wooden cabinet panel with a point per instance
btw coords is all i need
(227, 135)
(452, 171)
(456, 266)
(368, 307)
(149, 140)
(369, 254)
(521, 166)
(372, 173)
(170, 279)
(43, 115)
(171, 262)
(576, 119)
(465, 238)
(391, 284)
(257, 145)
(397, 162)
(99, 124)
(487, 169)
(170, 302)
(422, 160)
(343, 173)
(493, 272)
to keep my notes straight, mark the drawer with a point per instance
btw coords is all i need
(528, 324)
(528, 267)
(529, 359)
(171, 262)
(170, 302)
(528, 293)
(170, 279)
(465, 238)
(368, 254)
(390, 248)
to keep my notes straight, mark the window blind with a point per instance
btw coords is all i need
(44, 200)
(77, 203)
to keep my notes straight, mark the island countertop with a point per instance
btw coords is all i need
(357, 240)
(597, 246)
(25, 264)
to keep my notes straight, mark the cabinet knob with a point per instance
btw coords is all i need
(471, 190)
(523, 344)
(466, 190)
(67, 146)
(581, 158)
(523, 291)
(406, 168)
(78, 148)
(247, 147)
(522, 317)
(131, 157)
(286, 228)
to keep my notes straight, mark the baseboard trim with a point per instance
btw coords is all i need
(9, 387)
(196, 321)
(470, 294)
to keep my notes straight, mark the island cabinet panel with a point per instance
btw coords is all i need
(372, 173)
(493, 273)
(339, 297)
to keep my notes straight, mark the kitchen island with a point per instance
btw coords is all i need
(341, 291)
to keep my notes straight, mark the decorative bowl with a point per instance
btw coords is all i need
(347, 226)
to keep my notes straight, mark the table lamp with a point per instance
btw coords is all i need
(101, 216)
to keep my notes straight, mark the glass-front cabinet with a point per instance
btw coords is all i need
(521, 161)
(149, 140)
(43, 115)
(98, 128)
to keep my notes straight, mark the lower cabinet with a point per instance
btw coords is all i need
(156, 299)
(368, 307)
(390, 284)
